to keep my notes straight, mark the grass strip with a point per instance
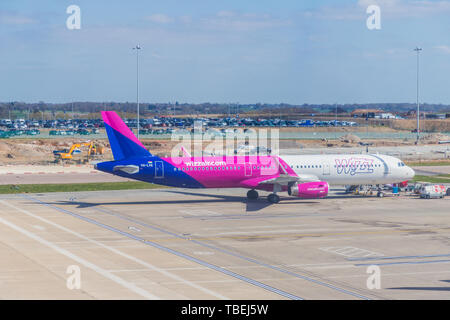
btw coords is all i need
(427, 163)
(73, 187)
(432, 179)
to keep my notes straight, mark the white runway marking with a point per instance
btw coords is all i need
(82, 261)
(199, 212)
(143, 263)
(351, 252)
(203, 252)
(134, 229)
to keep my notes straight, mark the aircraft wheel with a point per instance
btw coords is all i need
(252, 195)
(273, 198)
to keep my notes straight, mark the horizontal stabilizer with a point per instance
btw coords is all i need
(130, 169)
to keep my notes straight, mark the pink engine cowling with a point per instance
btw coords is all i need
(309, 190)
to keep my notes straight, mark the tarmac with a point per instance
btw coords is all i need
(214, 244)
(34, 174)
(412, 153)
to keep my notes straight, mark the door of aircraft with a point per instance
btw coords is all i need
(159, 169)
(326, 169)
(248, 169)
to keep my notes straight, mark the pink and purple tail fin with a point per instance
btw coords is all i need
(124, 144)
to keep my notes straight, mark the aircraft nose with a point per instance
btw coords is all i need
(411, 173)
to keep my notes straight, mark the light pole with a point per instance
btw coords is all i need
(417, 49)
(137, 48)
(335, 122)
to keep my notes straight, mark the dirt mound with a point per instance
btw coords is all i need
(39, 151)
(4, 147)
(435, 138)
(350, 138)
(153, 144)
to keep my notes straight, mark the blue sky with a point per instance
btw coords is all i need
(245, 51)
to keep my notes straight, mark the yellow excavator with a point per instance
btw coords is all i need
(75, 154)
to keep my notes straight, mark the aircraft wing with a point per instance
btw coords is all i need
(285, 179)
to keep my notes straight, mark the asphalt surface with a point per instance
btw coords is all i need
(214, 244)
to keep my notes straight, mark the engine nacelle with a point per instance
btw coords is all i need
(309, 190)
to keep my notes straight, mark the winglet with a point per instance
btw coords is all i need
(185, 152)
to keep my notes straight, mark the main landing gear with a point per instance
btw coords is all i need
(252, 195)
(273, 198)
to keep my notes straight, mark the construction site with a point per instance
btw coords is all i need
(73, 150)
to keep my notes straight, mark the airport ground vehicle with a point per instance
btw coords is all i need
(75, 152)
(259, 172)
(432, 191)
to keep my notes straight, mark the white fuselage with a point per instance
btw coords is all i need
(351, 169)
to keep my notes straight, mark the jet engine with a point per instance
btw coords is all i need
(309, 190)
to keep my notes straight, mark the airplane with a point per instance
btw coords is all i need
(259, 172)
(350, 169)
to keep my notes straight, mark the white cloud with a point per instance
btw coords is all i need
(228, 20)
(225, 13)
(15, 19)
(160, 18)
(403, 8)
(186, 19)
(443, 48)
(389, 9)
